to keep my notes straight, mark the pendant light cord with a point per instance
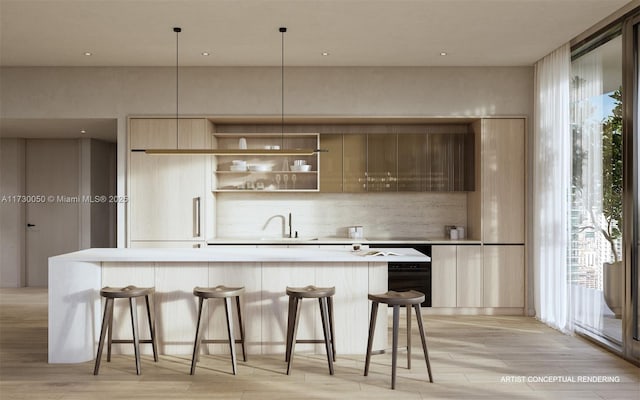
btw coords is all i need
(177, 31)
(282, 31)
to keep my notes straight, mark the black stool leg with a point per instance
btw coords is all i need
(408, 336)
(232, 340)
(134, 326)
(424, 341)
(244, 353)
(372, 328)
(394, 354)
(296, 317)
(333, 334)
(327, 334)
(151, 315)
(290, 319)
(196, 343)
(108, 312)
(110, 330)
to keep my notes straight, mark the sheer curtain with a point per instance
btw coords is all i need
(551, 189)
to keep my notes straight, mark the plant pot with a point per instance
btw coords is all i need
(613, 294)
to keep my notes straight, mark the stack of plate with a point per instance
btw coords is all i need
(260, 167)
(238, 166)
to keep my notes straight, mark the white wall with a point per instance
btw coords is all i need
(363, 91)
(12, 214)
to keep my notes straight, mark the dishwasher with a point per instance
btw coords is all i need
(403, 276)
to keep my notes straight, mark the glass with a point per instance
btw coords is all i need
(596, 269)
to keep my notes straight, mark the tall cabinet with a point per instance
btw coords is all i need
(496, 209)
(168, 194)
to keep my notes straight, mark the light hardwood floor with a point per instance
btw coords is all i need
(470, 355)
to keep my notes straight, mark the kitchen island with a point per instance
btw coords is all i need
(75, 308)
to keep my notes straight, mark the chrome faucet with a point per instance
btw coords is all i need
(290, 229)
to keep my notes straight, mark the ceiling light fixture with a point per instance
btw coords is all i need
(325, 53)
(206, 53)
(88, 53)
(83, 131)
(237, 152)
(443, 53)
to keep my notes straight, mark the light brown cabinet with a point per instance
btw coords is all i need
(497, 206)
(382, 163)
(412, 162)
(167, 194)
(456, 276)
(404, 162)
(469, 282)
(331, 163)
(354, 163)
(503, 276)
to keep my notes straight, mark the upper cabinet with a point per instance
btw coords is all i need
(497, 206)
(411, 162)
(272, 173)
(163, 133)
(382, 163)
(354, 163)
(167, 194)
(331, 163)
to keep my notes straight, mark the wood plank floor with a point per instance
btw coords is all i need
(471, 357)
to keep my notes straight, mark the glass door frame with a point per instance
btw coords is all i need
(631, 191)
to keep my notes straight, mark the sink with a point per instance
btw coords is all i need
(287, 239)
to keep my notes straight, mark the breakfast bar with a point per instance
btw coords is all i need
(75, 310)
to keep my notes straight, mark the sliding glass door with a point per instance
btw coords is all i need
(596, 259)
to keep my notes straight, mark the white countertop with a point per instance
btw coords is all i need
(235, 254)
(334, 240)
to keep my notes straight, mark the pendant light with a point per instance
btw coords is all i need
(239, 152)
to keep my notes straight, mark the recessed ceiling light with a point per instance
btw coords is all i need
(83, 131)
(205, 53)
(325, 53)
(443, 53)
(88, 53)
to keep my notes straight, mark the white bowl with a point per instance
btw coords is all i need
(238, 168)
(301, 168)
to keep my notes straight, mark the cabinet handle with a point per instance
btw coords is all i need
(197, 224)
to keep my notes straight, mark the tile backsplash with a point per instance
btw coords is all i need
(383, 215)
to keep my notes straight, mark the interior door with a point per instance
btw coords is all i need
(52, 207)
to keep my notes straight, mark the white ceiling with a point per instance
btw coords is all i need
(245, 32)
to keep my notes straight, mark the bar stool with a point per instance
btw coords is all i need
(226, 293)
(131, 293)
(408, 299)
(324, 296)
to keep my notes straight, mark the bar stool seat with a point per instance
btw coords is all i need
(226, 293)
(409, 299)
(131, 293)
(325, 299)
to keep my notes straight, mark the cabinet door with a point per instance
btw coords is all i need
(503, 276)
(443, 276)
(160, 133)
(355, 163)
(469, 276)
(166, 193)
(412, 159)
(331, 163)
(382, 162)
(503, 181)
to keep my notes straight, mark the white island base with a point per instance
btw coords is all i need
(75, 306)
